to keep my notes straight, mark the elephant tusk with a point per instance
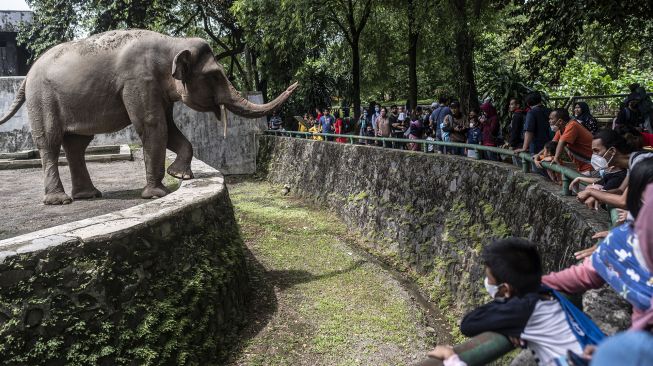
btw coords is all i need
(223, 114)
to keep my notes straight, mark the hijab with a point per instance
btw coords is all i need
(585, 118)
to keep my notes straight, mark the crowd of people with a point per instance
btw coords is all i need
(616, 168)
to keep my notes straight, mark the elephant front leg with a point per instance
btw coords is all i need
(178, 143)
(154, 151)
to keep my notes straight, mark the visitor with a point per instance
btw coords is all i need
(612, 156)
(516, 128)
(624, 259)
(644, 106)
(521, 309)
(607, 144)
(375, 116)
(537, 130)
(327, 121)
(584, 117)
(490, 128)
(430, 136)
(573, 138)
(339, 130)
(474, 134)
(383, 125)
(397, 127)
(456, 126)
(630, 115)
(547, 155)
(304, 123)
(362, 126)
(415, 130)
(276, 123)
(437, 119)
(316, 128)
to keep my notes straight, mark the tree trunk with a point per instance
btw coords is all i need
(464, 50)
(413, 36)
(355, 72)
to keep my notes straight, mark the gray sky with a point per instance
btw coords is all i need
(13, 5)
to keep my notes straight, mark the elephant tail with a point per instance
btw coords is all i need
(15, 106)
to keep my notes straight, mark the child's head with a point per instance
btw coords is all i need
(550, 148)
(512, 266)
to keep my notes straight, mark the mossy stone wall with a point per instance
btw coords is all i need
(431, 214)
(170, 292)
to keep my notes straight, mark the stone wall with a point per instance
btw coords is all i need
(161, 283)
(234, 154)
(431, 214)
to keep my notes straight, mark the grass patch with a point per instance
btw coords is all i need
(333, 307)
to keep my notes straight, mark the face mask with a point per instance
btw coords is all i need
(471, 125)
(599, 163)
(377, 109)
(554, 128)
(491, 289)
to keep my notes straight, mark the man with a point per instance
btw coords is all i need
(327, 121)
(537, 130)
(377, 113)
(276, 123)
(437, 117)
(572, 137)
(516, 128)
(630, 115)
(395, 124)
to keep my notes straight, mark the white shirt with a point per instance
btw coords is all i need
(548, 333)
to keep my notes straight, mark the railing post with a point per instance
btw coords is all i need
(565, 185)
(525, 165)
(425, 147)
(351, 139)
(479, 154)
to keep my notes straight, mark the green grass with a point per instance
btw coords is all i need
(342, 310)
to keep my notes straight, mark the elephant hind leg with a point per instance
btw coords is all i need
(75, 147)
(177, 142)
(54, 192)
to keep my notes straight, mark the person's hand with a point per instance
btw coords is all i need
(575, 184)
(584, 195)
(516, 341)
(538, 163)
(582, 254)
(442, 352)
(555, 161)
(622, 216)
(600, 235)
(588, 352)
(520, 150)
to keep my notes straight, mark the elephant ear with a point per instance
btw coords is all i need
(181, 66)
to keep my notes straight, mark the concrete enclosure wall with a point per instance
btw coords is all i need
(234, 154)
(161, 283)
(431, 214)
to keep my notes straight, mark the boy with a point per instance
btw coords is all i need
(474, 133)
(521, 308)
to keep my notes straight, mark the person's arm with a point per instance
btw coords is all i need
(559, 149)
(575, 279)
(508, 318)
(528, 138)
(615, 200)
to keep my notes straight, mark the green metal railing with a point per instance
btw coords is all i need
(567, 174)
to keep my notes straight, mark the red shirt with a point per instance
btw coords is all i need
(579, 142)
(648, 138)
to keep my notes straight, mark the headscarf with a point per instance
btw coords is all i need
(489, 109)
(585, 118)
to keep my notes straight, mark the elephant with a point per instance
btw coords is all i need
(102, 83)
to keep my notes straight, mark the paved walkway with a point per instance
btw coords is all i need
(318, 302)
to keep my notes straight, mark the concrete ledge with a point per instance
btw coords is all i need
(31, 158)
(155, 281)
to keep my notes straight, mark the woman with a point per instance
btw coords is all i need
(416, 130)
(304, 124)
(457, 126)
(582, 114)
(339, 130)
(624, 259)
(489, 128)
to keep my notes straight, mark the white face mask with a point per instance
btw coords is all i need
(471, 125)
(491, 289)
(599, 162)
(554, 128)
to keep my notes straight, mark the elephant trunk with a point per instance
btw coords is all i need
(235, 102)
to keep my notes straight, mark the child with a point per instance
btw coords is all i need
(547, 155)
(523, 310)
(474, 135)
(430, 136)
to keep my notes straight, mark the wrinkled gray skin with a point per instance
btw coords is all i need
(103, 83)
